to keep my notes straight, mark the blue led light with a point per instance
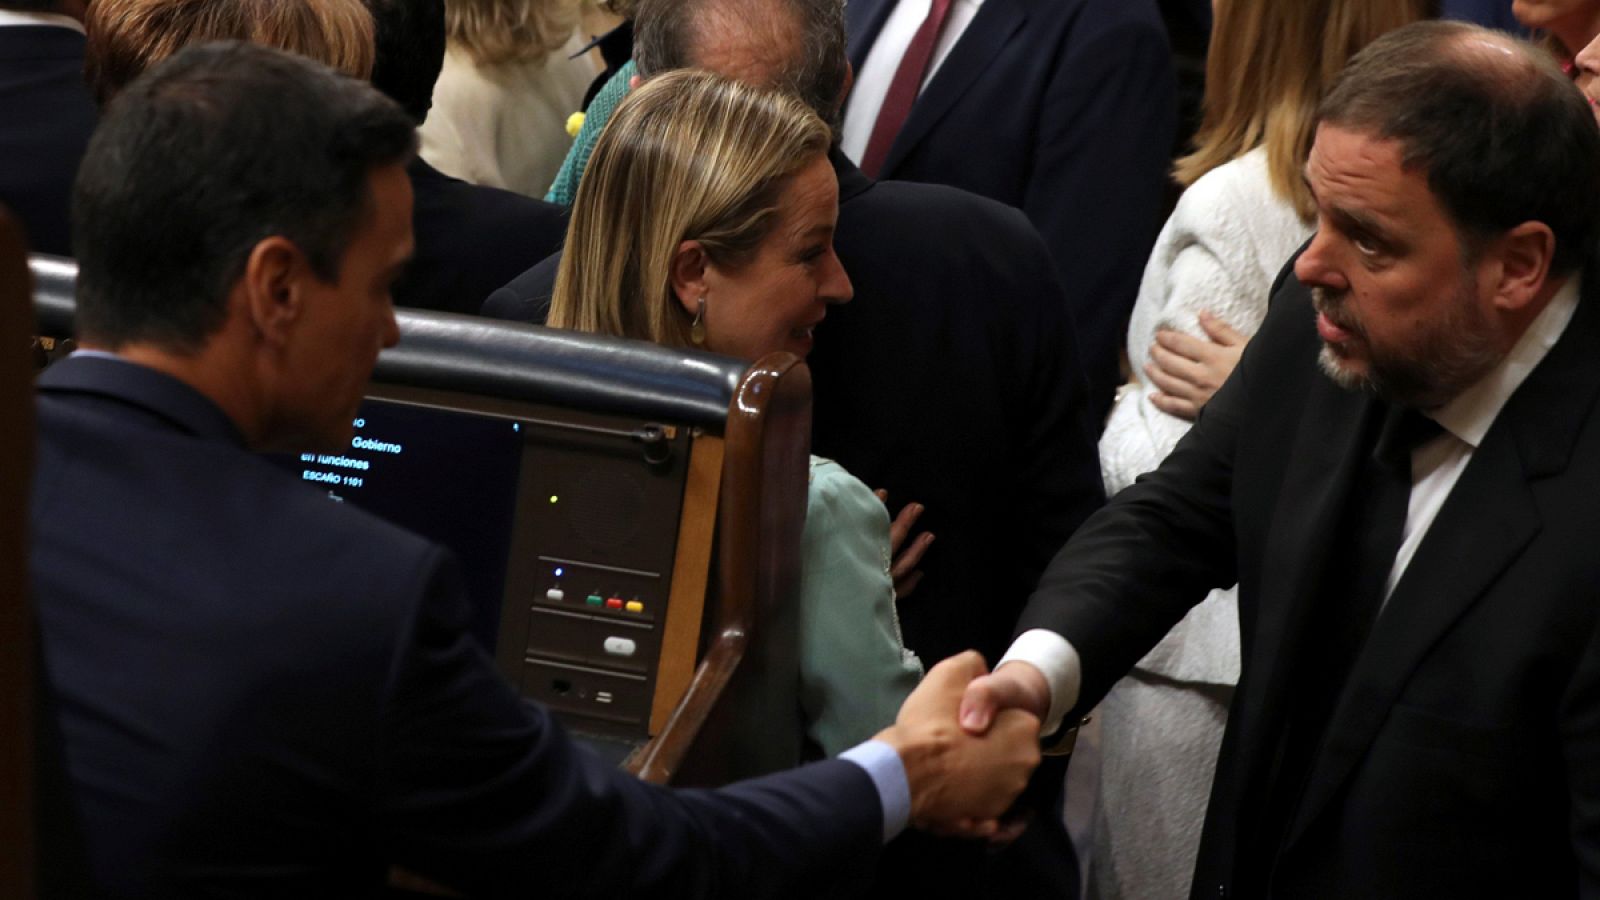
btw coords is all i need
(559, 571)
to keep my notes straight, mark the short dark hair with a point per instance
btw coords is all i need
(199, 160)
(411, 42)
(670, 34)
(1503, 138)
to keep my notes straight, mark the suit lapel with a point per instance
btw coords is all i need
(996, 22)
(863, 20)
(1328, 451)
(1485, 523)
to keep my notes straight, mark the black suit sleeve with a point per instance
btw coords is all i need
(1136, 567)
(485, 793)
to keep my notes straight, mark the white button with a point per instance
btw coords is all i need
(620, 646)
(554, 595)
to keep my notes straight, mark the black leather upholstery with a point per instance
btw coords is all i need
(472, 355)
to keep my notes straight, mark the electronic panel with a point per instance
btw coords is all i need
(566, 526)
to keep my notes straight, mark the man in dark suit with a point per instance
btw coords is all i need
(1400, 477)
(471, 239)
(261, 693)
(1064, 109)
(46, 116)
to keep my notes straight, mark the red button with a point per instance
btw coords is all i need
(614, 603)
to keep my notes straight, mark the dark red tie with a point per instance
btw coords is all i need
(903, 90)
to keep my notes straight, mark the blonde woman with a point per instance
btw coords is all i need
(705, 219)
(514, 71)
(1244, 212)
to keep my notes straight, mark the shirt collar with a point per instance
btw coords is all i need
(1470, 414)
(13, 17)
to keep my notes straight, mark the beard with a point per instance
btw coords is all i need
(1444, 358)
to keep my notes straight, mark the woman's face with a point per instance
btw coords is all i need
(1566, 19)
(774, 301)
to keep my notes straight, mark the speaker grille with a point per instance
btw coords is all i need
(603, 507)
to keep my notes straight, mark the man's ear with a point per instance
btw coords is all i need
(1525, 255)
(272, 281)
(688, 275)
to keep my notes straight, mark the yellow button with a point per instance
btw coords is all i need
(635, 606)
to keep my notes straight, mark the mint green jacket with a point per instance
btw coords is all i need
(854, 669)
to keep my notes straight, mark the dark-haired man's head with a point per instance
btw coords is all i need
(411, 43)
(1455, 171)
(238, 218)
(796, 46)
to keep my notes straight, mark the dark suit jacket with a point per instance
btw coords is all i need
(1463, 759)
(46, 117)
(471, 239)
(1064, 109)
(264, 693)
(952, 380)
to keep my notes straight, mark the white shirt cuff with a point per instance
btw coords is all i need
(1057, 660)
(888, 774)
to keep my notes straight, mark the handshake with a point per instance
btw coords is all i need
(965, 765)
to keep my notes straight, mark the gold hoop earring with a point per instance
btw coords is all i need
(697, 328)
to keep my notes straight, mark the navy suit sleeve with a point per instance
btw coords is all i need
(1104, 141)
(485, 793)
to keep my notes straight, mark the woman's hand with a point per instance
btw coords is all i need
(903, 568)
(1188, 370)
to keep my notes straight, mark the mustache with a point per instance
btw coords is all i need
(1331, 305)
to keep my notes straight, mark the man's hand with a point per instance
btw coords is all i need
(961, 783)
(1188, 370)
(1013, 686)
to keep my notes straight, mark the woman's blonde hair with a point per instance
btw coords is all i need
(1269, 64)
(688, 156)
(492, 32)
(126, 37)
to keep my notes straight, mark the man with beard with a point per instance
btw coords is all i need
(1399, 476)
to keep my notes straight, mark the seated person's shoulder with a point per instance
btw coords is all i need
(835, 498)
(436, 192)
(961, 214)
(526, 298)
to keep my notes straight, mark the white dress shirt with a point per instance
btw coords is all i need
(1435, 468)
(14, 18)
(883, 60)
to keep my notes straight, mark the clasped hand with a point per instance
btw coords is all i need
(961, 783)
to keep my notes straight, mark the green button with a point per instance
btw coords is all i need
(595, 600)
